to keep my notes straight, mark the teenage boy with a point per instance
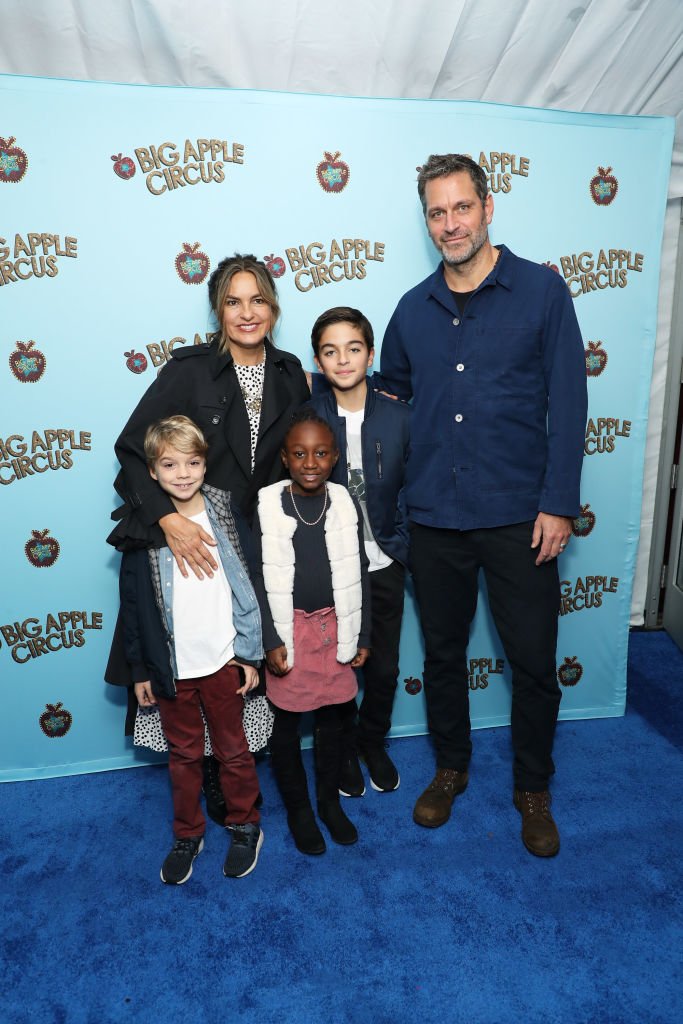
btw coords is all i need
(184, 640)
(372, 434)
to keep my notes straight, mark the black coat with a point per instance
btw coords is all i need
(201, 383)
(385, 441)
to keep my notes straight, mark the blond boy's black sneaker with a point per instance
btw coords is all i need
(245, 843)
(177, 867)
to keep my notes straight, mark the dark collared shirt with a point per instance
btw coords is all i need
(498, 393)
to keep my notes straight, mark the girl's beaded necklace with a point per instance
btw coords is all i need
(305, 521)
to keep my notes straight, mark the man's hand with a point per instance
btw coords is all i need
(362, 655)
(143, 692)
(276, 660)
(186, 541)
(251, 679)
(554, 532)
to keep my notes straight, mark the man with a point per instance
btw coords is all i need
(489, 350)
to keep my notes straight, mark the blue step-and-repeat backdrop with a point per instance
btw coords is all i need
(115, 203)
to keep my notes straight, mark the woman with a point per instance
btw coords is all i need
(241, 392)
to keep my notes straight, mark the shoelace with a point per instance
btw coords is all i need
(536, 803)
(444, 782)
(239, 834)
(184, 845)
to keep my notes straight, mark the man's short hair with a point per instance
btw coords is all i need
(342, 315)
(441, 166)
(178, 432)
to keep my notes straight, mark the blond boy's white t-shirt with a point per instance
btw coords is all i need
(203, 630)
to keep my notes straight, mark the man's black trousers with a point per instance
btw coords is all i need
(524, 600)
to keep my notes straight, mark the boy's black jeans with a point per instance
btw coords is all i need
(380, 671)
(524, 600)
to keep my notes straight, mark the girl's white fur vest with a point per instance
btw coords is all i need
(341, 539)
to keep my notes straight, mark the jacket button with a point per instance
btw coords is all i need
(458, 418)
(460, 367)
(456, 321)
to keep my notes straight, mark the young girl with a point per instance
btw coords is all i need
(314, 598)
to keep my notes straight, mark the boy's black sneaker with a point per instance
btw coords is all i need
(245, 843)
(383, 774)
(177, 867)
(351, 781)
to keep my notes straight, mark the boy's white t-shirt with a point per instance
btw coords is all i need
(354, 461)
(203, 630)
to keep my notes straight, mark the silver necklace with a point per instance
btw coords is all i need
(252, 403)
(305, 521)
(253, 399)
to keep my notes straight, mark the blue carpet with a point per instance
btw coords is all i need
(456, 924)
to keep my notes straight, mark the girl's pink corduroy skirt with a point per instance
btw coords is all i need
(317, 678)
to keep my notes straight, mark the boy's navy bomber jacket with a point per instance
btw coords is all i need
(385, 438)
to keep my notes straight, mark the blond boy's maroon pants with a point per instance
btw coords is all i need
(184, 729)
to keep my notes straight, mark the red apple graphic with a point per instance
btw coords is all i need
(13, 161)
(553, 266)
(596, 359)
(584, 523)
(333, 174)
(26, 365)
(136, 361)
(42, 550)
(570, 671)
(191, 264)
(603, 187)
(124, 166)
(275, 264)
(55, 720)
(413, 685)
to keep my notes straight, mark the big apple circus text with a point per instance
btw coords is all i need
(314, 266)
(479, 670)
(160, 352)
(587, 592)
(204, 161)
(36, 256)
(31, 639)
(584, 273)
(602, 434)
(500, 169)
(47, 449)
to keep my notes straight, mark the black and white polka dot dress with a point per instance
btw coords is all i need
(250, 379)
(257, 719)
